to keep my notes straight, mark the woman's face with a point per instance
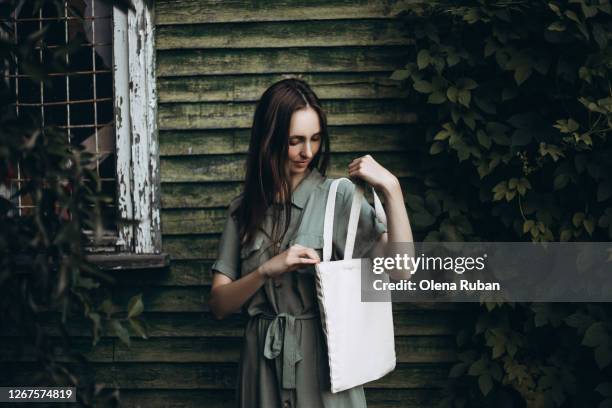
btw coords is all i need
(304, 140)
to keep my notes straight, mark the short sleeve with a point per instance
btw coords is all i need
(228, 255)
(369, 228)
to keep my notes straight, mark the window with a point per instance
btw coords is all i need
(106, 102)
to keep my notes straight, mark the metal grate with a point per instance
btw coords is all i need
(78, 99)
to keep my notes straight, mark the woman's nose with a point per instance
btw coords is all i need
(307, 151)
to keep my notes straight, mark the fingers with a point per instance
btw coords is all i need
(308, 253)
(361, 159)
(304, 255)
(357, 166)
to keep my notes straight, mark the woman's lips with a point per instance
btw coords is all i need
(302, 163)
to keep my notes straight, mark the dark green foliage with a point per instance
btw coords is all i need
(515, 102)
(43, 267)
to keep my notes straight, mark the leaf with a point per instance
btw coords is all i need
(436, 148)
(464, 97)
(603, 356)
(135, 306)
(423, 219)
(478, 367)
(490, 47)
(400, 75)
(605, 389)
(557, 26)
(555, 8)
(466, 83)
(577, 219)
(423, 86)
(521, 137)
(561, 181)
(579, 321)
(589, 226)
(96, 328)
(436, 98)
(600, 35)
(441, 135)
(485, 105)
(604, 190)
(485, 383)
(566, 235)
(120, 331)
(107, 308)
(483, 139)
(527, 226)
(595, 335)
(415, 202)
(521, 74)
(452, 59)
(87, 283)
(423, 59)
(572, 16)
(458, 370)
(451, 93)
(138, 327)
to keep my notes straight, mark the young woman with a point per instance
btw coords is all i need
(273, 236)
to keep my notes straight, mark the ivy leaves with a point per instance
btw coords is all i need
(498, 97)
(516, 108)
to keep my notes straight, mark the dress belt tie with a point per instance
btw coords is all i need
(282, 338)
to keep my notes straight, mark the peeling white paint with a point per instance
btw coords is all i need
(136, 121)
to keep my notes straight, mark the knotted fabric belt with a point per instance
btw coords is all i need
(281, 337)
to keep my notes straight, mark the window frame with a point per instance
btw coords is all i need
(137, 147)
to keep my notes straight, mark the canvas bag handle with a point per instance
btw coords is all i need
(353, 218)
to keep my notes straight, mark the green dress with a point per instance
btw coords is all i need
(284, 361)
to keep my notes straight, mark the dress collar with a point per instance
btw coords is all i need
(306, 186)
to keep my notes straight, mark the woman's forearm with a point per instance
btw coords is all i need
(398, 225)
(228, 298)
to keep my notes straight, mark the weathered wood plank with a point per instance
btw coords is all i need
(183, 247)
(102, 352)
(195, 299)
(196, 324)
(231, 167)
(200, 11)
(193, 221)
(376, 398)
(284, 61)
(244, 88)
(214, 195)
(212, 115)
(420, 349)
(199, 195)
(223, 376)
(415, 349)
(343, 139)
(177, 221)
(283, 34)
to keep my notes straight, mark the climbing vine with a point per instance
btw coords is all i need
(514, 100)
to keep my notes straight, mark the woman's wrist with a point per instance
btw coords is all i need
(392, 188)
(262, 271)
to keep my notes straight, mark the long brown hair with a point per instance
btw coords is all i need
(266, 179)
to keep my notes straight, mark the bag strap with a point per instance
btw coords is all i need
(351, 233)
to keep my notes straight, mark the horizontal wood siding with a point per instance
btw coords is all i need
(214, 60)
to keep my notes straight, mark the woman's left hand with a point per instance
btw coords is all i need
(369, 170)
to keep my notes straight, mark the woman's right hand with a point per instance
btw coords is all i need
(294, 257)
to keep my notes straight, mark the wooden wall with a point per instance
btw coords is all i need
(214, 60)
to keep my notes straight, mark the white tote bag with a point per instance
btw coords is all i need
(360, 338)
